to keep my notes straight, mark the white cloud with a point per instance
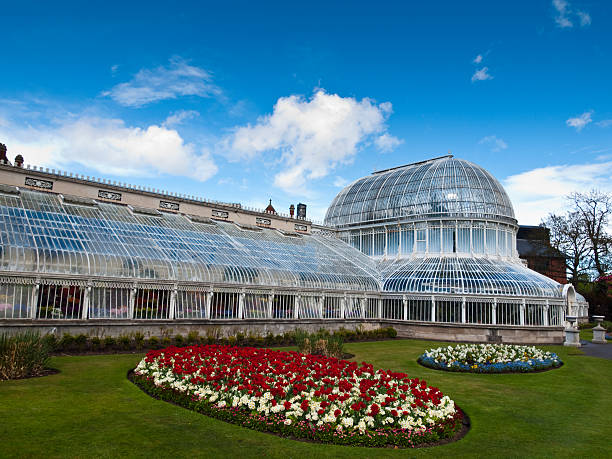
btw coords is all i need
(604, 123)
(579, 122)
(477, 59)
(538, 192)
(152, 85)
(387, 142)
(494, 142)
(340, 182)
(114, 68)
(481, 75)
(585, 18)
(313, 136)
(565, 15)
(110, 147)
(179, 116)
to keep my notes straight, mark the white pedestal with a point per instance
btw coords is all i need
(572, 337)
(599, 333)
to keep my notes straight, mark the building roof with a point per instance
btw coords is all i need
(536, 248)
(42, 234)
(437, 188)
(466, 275)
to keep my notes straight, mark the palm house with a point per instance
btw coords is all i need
(429, 243)
(443, 231)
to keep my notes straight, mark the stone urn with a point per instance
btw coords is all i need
(599, 332)
(572, 334)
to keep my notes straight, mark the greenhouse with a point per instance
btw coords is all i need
(443, 231)
(432, 241)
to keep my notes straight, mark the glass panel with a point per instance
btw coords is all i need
(190, 305)
(109, 303)
(434, 240)
(379, 242)
(421, 240)
(60, 302)
(448, 239)
(15, 301)
(224, 305)
(491, 241)
(478, 239)
(407, 239)
(152, 304)
(393, 241)
(392, 308)
(463, 240)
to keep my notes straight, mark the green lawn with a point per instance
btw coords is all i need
(91, 409)
(586, 334)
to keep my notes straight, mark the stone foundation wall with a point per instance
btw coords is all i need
(417, 330)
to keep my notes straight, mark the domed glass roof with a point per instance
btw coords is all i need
(464, 275)
(437, 188)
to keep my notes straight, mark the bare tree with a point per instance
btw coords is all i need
(569, 238)
(594, 210)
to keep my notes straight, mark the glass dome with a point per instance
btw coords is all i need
(438, 188)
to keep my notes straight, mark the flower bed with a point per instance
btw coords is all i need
(302, 396)
(490, 358)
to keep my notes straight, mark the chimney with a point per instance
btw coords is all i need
(3, 158)
(301, 211)
(291, 210)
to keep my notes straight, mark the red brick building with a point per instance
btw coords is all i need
(533, 246)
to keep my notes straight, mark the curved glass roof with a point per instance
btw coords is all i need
(438, 188)
(465, 275)
(41, 234)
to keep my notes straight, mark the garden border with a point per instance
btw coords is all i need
(539, 370)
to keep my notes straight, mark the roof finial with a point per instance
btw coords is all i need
(270, 209)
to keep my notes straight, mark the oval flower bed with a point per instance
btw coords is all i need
(490, 358)
(302, 396)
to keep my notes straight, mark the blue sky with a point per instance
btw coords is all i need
(246, 101)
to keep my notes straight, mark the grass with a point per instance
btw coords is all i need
(91, 409)
(586, 334)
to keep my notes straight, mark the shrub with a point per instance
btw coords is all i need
(391, 332)
(139, 340)
(66, 343)
(319, 343)
(179, 340)
(95, 343)
(80, 342)
(109, 342)
(124, 342)
(166, 341)
(23, 355)
(213, 334)
(50, 341)
(153, 342)
(193, 337)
